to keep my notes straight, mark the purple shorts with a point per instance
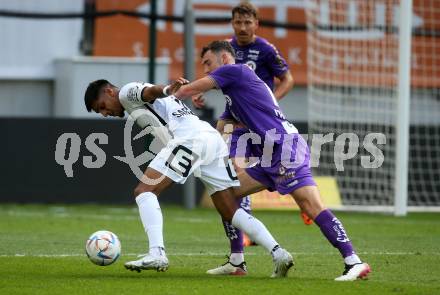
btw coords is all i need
(288, 169)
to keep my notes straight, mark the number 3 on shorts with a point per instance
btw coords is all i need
(181, 160)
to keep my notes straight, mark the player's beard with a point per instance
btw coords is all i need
(245, 38)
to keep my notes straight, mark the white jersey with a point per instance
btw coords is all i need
(191, 145)
(168, 117)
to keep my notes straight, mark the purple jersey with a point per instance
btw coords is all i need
(262, 57)
(250, 101)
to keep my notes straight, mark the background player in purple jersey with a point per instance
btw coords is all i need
(284, 157)
(268, 64)
(258, 53)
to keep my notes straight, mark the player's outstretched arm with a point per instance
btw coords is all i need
(199, 86)
(159, 91)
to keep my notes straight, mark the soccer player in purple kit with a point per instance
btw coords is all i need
(262, 57)
(284, 157)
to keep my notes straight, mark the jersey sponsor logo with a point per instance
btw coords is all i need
(287, 177)
(182, 112)
(253, 51)
(251, 64)
(253, 56)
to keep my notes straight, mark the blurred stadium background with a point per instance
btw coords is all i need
(344, 56)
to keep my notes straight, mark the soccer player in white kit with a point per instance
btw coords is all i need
(192, 146)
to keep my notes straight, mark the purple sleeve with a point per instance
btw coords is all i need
(226, 75)
(276, 62)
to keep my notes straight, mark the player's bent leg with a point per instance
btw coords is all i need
(153, 181)
(248, 185)
(235, 265)
(245, 204)
(309, 200)
(150, 212)
(218, 179)
(256, 230)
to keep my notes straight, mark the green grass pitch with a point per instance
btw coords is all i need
(42, 252)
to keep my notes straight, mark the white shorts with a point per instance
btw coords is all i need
(206, 156)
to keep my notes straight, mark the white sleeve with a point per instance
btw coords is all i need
(132, 92)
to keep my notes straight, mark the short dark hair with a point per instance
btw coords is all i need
(218, 46)
(92, 92)
(245, 7)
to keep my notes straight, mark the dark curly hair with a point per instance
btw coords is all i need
(218, 46)
(92, 92)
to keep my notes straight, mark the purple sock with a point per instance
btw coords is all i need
(335, 233)
(234, 234)
(235, 237)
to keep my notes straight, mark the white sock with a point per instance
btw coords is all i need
(254, 229)
(236, 258)
(157, 251)
(152, 220)
(352, 259)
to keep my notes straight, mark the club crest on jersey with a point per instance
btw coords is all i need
(251, 64)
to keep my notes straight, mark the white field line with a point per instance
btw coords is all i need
(70, 215)
(223, 254)
(135, 216)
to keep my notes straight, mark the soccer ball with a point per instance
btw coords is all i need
(103, 247)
